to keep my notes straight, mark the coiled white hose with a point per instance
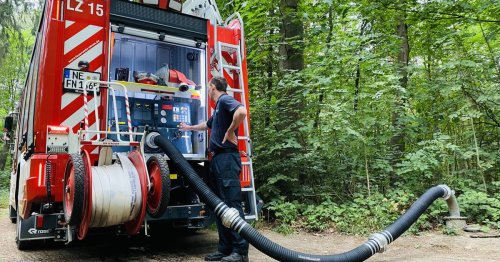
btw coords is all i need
(116, 193)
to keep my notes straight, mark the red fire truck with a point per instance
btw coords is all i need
(102, 74)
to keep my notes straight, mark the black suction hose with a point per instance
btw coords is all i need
(231, 219)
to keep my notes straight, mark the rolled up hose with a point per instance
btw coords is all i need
(231, 219)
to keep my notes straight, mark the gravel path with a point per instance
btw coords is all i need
(430, 246)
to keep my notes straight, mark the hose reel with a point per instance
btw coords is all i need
(109, 195)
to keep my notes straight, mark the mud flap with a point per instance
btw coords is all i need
(50, 227)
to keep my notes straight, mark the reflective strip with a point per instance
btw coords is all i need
(40, 169)
(68, 98)
(80, 37)
(68, 23)
(78, 115)
(89, 56)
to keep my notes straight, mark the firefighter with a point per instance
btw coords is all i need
(225, 165)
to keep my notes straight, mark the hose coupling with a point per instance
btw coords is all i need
(447, 191)
(150, 140)
(381, 242)
(229, 216)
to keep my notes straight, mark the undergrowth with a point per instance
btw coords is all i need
(368, 214)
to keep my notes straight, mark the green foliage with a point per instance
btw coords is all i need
(450, 231)
(324, 136)
(286, 215)
(361, 215)
(5, 180)
(481, 208)
(364, 215)
(4, 198)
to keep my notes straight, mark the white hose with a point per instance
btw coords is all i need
(116, 193)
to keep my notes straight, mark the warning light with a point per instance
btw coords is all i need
(39, 221)
(59, 130)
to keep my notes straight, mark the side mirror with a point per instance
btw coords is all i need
(8, 123)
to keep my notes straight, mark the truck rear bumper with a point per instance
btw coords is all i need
(190, 216)
(35, 227)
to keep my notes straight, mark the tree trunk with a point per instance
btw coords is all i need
(291, 101)
(328, 46)
(270, 69)
(292, 60)
(292, 33)
(358, 68)
(397, 140)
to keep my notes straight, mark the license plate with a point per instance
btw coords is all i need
(75, 79)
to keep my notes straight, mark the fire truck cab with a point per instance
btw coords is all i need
(102, 74)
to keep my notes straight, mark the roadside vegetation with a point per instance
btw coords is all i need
(357, 107)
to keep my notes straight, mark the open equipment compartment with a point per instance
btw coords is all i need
(166, 86)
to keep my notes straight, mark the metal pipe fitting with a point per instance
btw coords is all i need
(150, 140)
(447, 191)
(381, 242)
(229, 216)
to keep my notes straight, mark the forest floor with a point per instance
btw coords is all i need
(428, 246)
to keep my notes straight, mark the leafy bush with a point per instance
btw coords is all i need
(481, 208)
(365, 215)
(320, 217)
(4, 198)
(286, 214)
(4, 180)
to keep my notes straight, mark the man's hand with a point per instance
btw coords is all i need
(231, 137)
(184, 127)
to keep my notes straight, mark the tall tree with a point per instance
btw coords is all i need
(397, 140)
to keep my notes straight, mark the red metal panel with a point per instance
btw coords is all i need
(91, 12)
(82, 34)
(85, 40)
(163, 4)
(108, 54)
(49, 77)
(36, 183)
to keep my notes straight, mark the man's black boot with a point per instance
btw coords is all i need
(235, 257)
(217, 256)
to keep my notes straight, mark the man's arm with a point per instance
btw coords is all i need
(239, 115)
(199, 127)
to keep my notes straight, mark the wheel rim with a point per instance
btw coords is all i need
(69, 191)
(155, 192)
(87, 207)
(73, 190)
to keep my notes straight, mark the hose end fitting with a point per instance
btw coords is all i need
(381, 242)
(150, 140)
(229, 216)
(447, 191)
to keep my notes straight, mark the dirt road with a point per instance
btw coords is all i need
(431, 246)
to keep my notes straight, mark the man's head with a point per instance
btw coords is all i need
(217, 85)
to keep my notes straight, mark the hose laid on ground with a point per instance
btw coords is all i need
(231, 219)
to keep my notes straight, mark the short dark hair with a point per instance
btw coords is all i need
(219, 82)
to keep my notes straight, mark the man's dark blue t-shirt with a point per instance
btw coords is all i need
(220, 121)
